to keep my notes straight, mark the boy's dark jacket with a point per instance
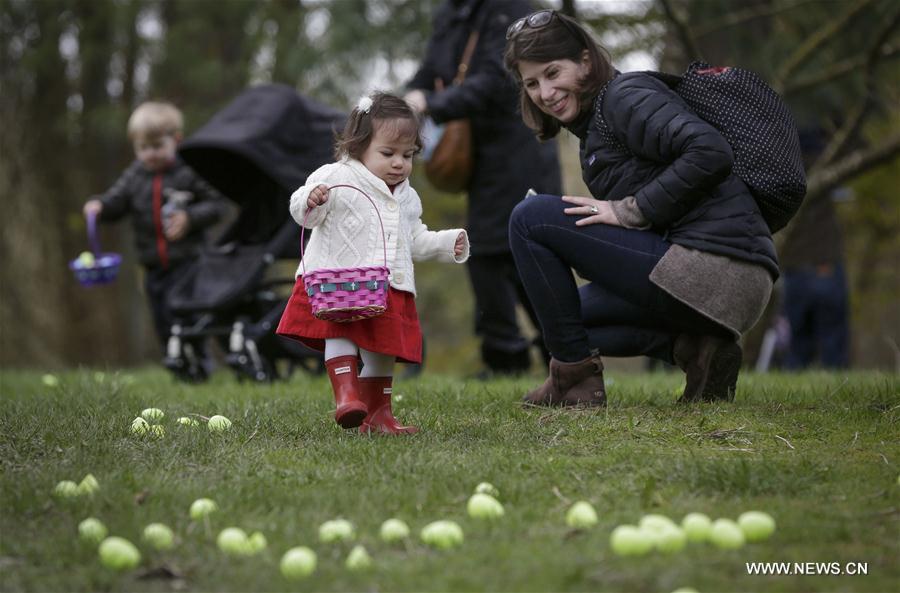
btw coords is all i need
(132, 195)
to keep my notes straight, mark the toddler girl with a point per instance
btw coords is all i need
(375, 153)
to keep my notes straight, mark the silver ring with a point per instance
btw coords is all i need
(594, 210)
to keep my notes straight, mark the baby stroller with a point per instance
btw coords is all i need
(256, 151)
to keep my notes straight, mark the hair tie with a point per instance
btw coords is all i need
(364, 104)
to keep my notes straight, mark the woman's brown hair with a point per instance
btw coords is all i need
(360, 127)
(562, 38)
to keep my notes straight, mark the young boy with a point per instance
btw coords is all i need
(169, 204)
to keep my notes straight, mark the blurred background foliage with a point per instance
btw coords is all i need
(72, 71)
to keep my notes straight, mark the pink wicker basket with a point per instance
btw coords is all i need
(347, 294)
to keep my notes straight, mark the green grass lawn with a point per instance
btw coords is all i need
(819, 452)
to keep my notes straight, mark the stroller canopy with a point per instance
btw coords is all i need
(258, 150)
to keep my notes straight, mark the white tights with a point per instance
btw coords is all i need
(374, 363)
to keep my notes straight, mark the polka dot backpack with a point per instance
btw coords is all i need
(756, 123)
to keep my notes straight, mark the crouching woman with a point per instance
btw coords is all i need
(678, 258)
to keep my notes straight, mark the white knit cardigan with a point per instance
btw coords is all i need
(346, 233)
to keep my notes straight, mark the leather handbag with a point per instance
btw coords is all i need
(450, 166)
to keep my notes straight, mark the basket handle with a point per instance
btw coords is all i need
(371, 201)
(93, 239)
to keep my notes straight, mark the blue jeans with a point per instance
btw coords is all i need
(815, 301)
(620, 312)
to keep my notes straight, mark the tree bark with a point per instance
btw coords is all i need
(34, 108)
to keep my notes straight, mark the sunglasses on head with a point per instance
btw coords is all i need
(535, 20)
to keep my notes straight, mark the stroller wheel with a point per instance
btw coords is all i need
(186, 373)
(249, 364)
(187, 364)
(265, 374)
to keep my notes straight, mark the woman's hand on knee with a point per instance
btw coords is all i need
(591, 210)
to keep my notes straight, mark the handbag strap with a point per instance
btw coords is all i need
(371, 201)
(468, 52)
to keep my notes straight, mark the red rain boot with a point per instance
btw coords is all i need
(376, 393)
(350, 409)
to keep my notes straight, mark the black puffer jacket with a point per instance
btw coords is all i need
(679, 171)
(132, 195)
(508, 159)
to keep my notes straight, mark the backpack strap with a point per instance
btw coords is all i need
(670, 80)
(599, 122)
(673, 80)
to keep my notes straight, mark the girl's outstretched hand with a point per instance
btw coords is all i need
(318, 196)
(460, 246)
(594, 211)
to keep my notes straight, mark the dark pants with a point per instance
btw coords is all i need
(157, 284)
(497, 289)
(815, 302)
(620, 312)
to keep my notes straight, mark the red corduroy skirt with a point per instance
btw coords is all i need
(395, 332)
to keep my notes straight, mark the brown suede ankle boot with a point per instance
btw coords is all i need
(711, 365)
(542, 395)
(571, 384)
(349, 410)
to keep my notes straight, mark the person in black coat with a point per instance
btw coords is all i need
(508, 161)
(679, 259)
(816, 300)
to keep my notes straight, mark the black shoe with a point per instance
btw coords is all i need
(711, 365)
(502, 362)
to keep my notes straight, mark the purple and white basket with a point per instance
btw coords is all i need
(347, 294)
